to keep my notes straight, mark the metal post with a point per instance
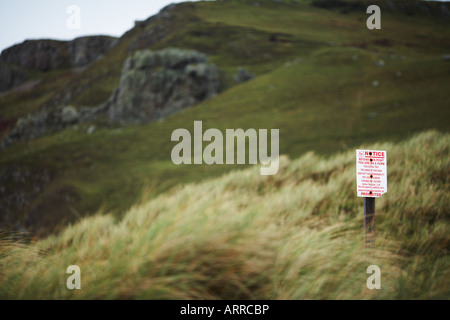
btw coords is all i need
(369, 222)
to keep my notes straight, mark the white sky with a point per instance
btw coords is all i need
(43, 19)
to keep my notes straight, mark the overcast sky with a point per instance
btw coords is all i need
(39, 19)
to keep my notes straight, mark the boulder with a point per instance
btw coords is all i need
(69, 115)
(155, 84)
(243, 76)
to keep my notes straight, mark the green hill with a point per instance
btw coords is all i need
(322, 78)
(295, 235)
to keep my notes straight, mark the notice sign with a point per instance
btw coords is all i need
(371, 173)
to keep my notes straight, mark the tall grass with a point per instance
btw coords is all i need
(295, 235)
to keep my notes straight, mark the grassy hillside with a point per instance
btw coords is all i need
(296, 235)
(323, 79)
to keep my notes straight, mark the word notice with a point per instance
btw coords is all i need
(371, 173)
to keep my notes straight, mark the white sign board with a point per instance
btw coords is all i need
(371, 173)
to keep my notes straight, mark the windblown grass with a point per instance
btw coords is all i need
(322, 78)
(296, 235)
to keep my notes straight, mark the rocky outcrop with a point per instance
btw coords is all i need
(41, 55)
(83, 51)
(44, 122)
(155, 84)
(45, 55)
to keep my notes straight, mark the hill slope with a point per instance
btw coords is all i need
(296, 235)
(322, 78)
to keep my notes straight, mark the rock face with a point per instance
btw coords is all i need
(41, 55)
(155, 84)
(83, 51)
(45, 55)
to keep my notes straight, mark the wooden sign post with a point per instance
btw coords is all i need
(371, 183)
(369, 222)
